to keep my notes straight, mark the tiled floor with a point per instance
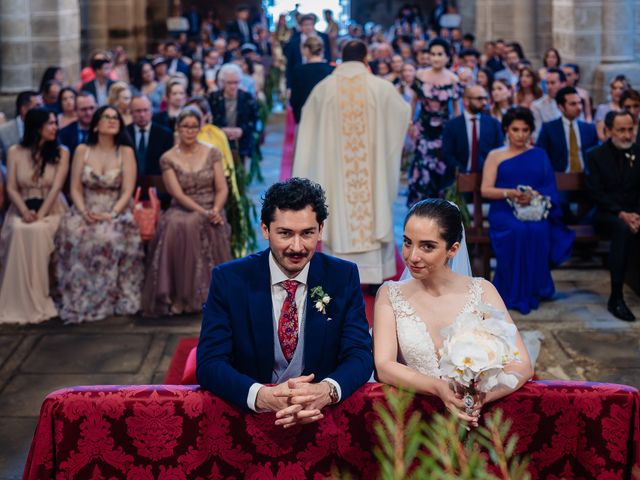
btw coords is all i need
(581, 341)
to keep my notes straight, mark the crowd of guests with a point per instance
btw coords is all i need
(191, 112)
(474, 110)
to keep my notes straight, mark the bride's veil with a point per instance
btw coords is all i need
(459, 263)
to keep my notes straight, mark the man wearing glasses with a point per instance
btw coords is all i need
(468, 138)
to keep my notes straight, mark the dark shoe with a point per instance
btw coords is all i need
(620, 310)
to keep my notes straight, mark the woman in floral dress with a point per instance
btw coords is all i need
(438, 101)
(100, 266)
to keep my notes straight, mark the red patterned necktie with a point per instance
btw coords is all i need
(288, 322)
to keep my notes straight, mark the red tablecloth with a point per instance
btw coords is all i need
(164, 432)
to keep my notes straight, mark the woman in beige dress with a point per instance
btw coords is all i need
(193, 234)
(37, 168)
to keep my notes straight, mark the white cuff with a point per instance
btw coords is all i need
(335, 384)
(253, 394)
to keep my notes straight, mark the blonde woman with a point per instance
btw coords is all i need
(120, 99)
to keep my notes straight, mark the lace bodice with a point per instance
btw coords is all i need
(415, 345)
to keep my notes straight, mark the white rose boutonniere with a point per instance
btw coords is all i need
(320, 299)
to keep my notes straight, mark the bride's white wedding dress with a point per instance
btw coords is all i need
(416, 348)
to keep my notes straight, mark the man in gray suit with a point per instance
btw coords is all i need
(12, 131)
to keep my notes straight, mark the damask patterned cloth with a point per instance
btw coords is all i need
(568, 429)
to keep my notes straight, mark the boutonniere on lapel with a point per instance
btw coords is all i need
(320, 300)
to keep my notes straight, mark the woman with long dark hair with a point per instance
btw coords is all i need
(67, 101)
(37, 169)
(99, 268)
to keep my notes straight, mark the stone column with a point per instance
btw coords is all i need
(618, 46)
(35, 35)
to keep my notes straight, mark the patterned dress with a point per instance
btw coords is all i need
(100, 266)
(427, 172)
(187, 245)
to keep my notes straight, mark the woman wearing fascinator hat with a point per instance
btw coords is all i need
(415, 319)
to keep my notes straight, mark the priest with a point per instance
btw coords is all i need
(350, 141)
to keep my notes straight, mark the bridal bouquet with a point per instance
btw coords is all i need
(476, 349)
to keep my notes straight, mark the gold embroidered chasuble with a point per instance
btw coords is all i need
(350, 141)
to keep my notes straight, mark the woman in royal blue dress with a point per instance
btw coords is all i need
(524, 250)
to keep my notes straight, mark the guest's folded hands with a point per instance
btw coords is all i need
(276, 398)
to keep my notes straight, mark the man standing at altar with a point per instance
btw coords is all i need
(350, 140)
(284, 330)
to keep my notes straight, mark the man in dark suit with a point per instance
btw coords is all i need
(287, 316)
(234, 111)
(293, 49)
(468, 138)
(77, 132)
(241, 26)
(99, 86)
(149, 139)
(174, 62)
(567, 139)
(614, 184)
(11, 132)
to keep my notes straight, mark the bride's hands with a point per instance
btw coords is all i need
(455, 404)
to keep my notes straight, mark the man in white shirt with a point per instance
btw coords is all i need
(545, 108)
(285, 330)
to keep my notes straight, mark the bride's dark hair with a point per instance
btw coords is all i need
(446, 214)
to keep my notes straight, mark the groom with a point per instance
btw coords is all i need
(268, 341)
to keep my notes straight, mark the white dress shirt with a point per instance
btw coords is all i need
(467, 120)
(278, 296)
(544, 109)
(565, 125)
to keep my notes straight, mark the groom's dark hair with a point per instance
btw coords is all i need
(294, 194)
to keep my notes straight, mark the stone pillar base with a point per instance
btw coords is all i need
(605, 72)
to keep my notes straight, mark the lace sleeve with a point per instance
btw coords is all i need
(214, 156)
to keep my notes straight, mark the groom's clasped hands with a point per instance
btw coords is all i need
(297, 401)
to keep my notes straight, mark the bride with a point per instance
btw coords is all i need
(410, 315)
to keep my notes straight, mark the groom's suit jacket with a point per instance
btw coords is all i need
(236, 347)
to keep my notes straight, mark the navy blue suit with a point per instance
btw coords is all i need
(236, 347)
(456, 147)
(70, 138)
(553, 140)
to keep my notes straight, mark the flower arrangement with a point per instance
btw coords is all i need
(477, 347)
(320, 299)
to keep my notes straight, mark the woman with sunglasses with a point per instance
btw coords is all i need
(100, 266)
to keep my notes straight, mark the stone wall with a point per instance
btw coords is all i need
(35, 34)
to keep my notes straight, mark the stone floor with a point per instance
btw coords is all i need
(581, 341)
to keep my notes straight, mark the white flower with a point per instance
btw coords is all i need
(477, 346)
(320, 306)
(326, 299)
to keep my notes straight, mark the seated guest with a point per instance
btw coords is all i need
(99, 86)
(234, 111)
(259, 341)
(572, 73)
(617, 86)
(148, 85)
(630, 101)
(176, 95)
(528, 89)
(511, 72)
(614, 185)
(502, 97)
(120, 99)
(468, 139)
(525, 250)
(99, 266)
(307, 75)
(11, 132)
(50, 93)
(193, 234)
(67, 101)
(76, 133)
(545, 108)
(567, 139)
(37, 170)
(150, 140)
